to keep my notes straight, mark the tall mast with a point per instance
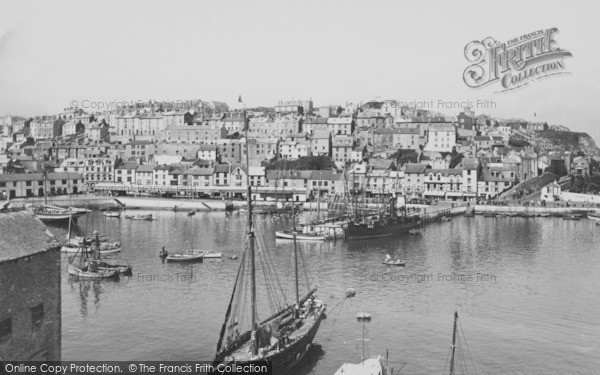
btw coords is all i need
(253, 339)
(45, 187)
(295, 256)
(453, 344)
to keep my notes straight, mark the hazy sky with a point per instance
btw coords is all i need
(331, 51)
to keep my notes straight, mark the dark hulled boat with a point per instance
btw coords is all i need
(286, 335)
(385, 224)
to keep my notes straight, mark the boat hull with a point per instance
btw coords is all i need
(71, 249)
(78, 273)
(288, 235)
(284, 361)
(364, 231)
(185, 258)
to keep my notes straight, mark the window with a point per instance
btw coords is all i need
(37, 315)
(5, 329)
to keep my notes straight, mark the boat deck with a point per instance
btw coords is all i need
(243, 353)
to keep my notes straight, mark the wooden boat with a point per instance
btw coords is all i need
(373, 365)
(393, 262)
(284, 338)
(544, 214)
(92, 269)
(111, 214)
(446, 218)
(289, 235)
(53, 214)
(185, 257)
(572, 217)
(208, 255)
(594, 216)
(459, 354)
(415, 232)
(70, 248)
(350, 292)
(141, 217)
(489, 214)
(86, 274)
(387, 223)
(191, 213)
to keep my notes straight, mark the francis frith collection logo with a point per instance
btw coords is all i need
(515, 63)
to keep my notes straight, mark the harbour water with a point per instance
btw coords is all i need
(526, 291)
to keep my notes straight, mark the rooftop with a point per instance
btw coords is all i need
(23, 235)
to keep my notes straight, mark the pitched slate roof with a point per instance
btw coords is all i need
(22, 235)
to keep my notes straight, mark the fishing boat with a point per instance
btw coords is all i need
(141, 217)
(58, 215)
(459, 353)
(189, 257)
(82, 244)
(283, 337)
(89, 269)
(122, 269)
(109, 248)
(289, 235)
(384, 224)
(393, 262)
(371, 365)
(572, 217)
(111, 214)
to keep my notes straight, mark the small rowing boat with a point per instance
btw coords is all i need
(393, 262)
(141, 217)
(185, 257)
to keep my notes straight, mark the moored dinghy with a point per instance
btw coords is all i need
(185, 257)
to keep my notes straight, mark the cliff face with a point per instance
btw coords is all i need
(569, 141)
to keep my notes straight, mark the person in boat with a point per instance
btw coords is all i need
(163, 252)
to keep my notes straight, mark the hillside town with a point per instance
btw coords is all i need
(295, 150)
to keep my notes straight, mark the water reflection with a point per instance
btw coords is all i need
(544, 298)
(83, 289)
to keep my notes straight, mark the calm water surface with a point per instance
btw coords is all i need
(534, 310)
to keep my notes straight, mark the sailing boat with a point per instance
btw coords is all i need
(89, 268)
(188, 257)
(73, 245)
(385, 223)
(281, 339)
(374, 365)
(125, 270)
(53, 214)
(458, 361)
(293, 235)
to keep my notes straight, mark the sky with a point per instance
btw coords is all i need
(333, 52)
